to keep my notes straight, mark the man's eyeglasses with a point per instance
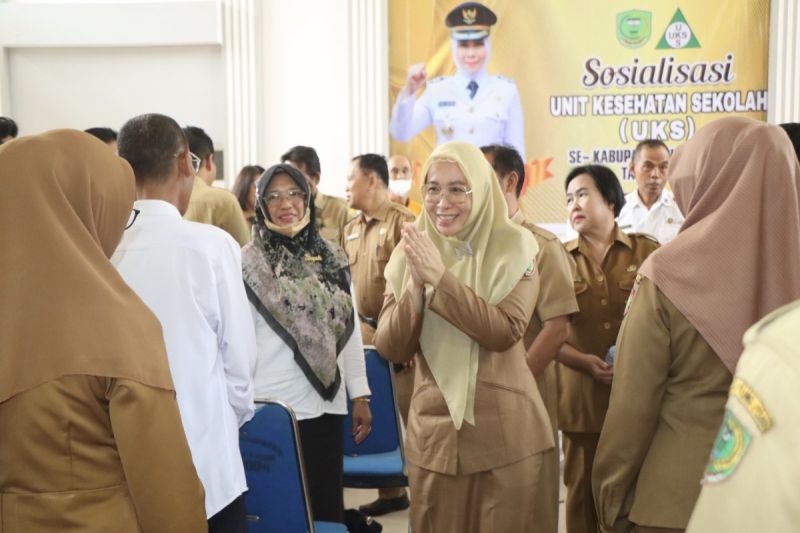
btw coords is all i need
(295, 196)
(132, 218)
(454, 194)
(195, 162)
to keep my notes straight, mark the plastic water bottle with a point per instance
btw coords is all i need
(611, 355)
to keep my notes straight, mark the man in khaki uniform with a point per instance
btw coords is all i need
(369, 240)
(332, 214)
(208, 204)
(751, 482)
(549, 326)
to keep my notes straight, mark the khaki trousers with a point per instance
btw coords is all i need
(579, 451)
(404, 387)
(494, 501)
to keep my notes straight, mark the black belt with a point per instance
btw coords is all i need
(371, 322)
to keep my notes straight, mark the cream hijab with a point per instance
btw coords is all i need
(64, 309)
(737, 255)
(490, 255)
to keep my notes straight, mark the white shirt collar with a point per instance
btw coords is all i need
(665, 199)
(156, 208)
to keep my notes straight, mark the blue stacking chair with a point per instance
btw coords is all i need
(277, 499)
(379, 461)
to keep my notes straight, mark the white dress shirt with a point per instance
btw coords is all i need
(492, 116)
(189, 274)
(662, 220)
(279, 377)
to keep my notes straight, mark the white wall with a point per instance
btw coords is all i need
(306, 85)
(85, 87)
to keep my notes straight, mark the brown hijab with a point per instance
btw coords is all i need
(64, 310)
(737, 256)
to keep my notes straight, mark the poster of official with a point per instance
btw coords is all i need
(572, 82)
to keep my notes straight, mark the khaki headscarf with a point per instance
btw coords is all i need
(64, 310)
(501, 253)
(737, 256)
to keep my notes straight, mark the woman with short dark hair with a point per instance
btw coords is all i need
(606, 261)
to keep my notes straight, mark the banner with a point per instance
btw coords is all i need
(594, 78)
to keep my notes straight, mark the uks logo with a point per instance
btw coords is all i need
(633, 27)
(678, 34)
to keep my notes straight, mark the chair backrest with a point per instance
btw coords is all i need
(386, 433)
(277, 499)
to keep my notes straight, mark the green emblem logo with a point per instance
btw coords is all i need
(678, 34)
(633, 27)
(732, 441)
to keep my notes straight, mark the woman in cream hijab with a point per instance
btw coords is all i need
(461, 291)
(735, 259)
(90, 435)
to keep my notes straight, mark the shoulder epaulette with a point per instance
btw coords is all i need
(644, 236)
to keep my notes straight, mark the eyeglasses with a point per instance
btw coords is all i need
(295, 196)
(132, 218)
(454, 194)
(195, 162)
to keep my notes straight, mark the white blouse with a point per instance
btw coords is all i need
(279, 377)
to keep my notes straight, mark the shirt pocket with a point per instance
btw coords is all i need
(581, 288)
(383, 252)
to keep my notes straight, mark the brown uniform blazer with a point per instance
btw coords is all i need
(332, 215)
(96, 454)
(511, 422)
(217, 207)
(369, 245)
(602, 291)
(667, 403)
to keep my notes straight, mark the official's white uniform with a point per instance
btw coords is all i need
(493, 116)
(190, 275)
(751, 482)
(662, 220)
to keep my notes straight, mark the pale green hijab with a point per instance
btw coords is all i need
(490, 255)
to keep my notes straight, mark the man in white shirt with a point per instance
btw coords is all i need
(189, 275)
(650, 209)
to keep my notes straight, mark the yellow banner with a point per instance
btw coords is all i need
(594, 78)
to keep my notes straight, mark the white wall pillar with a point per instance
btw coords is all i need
(369, 72)
(242, 78)
(5, 94)
(784, 62)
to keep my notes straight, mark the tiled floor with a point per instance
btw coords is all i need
(398, 522)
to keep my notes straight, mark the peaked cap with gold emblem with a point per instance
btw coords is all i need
(470, 21)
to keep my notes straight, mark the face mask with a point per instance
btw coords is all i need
(400, 187)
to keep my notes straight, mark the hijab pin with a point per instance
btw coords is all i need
(465, 250)
(312, 258)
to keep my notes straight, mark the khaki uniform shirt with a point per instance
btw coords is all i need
(510, 419)
(751, 482)
(369, 245)
(96, 454)
(217, 207)
(332, 215)
(602, 291)
(666, 406)
(556, 298)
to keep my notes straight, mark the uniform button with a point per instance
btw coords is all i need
(600, 279)
(607, 325)
(471, 131)
(471, 109)
(603, 302)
